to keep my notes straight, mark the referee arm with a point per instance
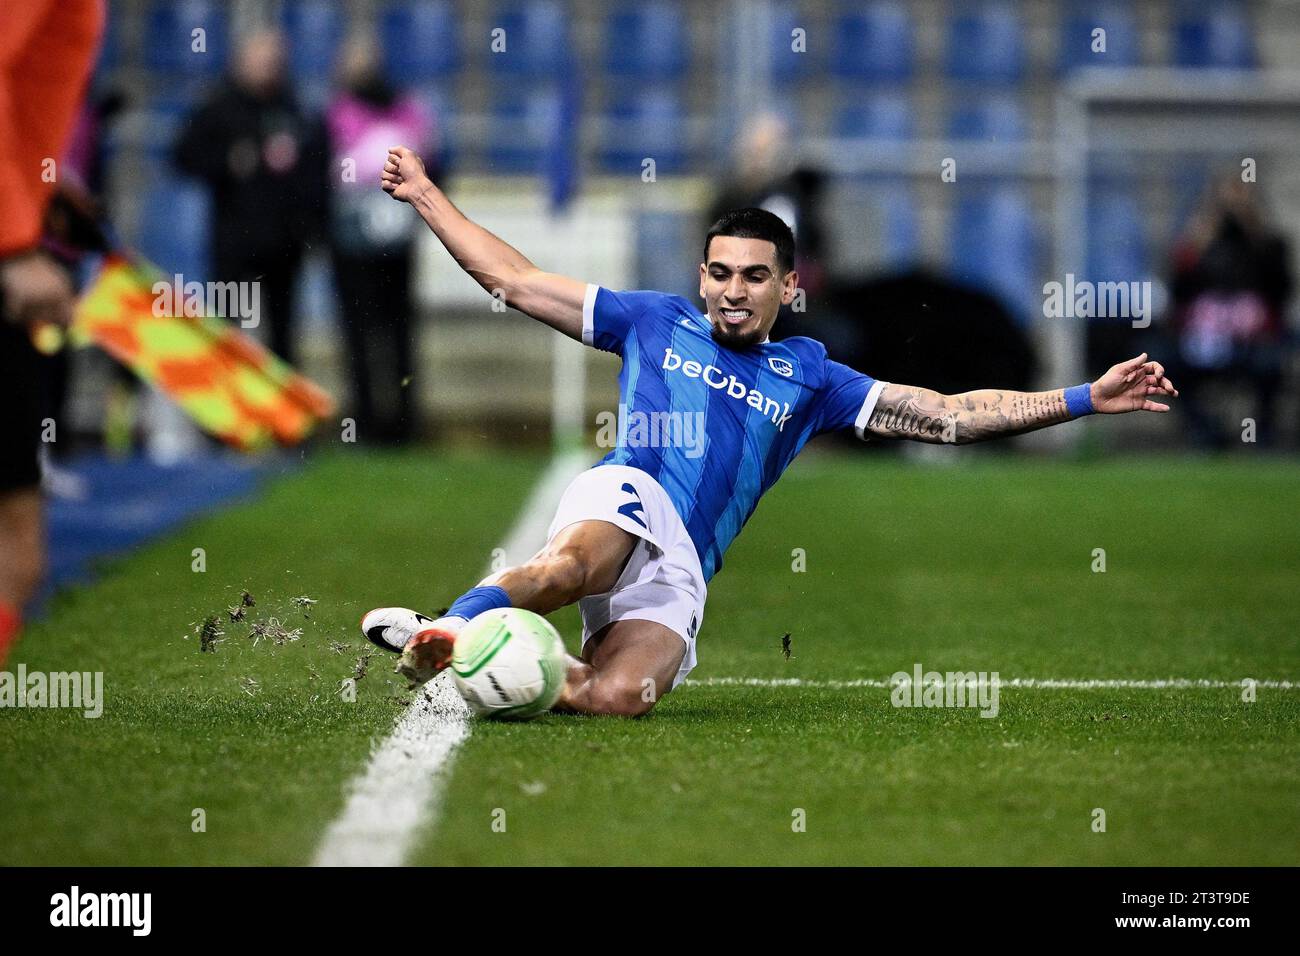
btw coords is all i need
(47, 49)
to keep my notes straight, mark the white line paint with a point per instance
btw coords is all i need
(405, 775)
(399, 792)
(1038, 683)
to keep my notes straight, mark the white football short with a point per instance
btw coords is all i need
(662, 581)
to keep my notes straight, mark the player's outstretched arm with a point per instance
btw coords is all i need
(493, 263)
(919, 414)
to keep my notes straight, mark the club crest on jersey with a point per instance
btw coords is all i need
(780, 366)
(777, 413)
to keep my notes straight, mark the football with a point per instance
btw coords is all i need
(509, 663)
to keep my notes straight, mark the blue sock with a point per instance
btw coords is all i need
(477, 600)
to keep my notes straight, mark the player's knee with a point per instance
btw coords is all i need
(620, 696)
(564, 575)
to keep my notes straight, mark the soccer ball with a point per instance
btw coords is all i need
(509, 663)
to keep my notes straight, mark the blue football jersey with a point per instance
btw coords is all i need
(714, 426)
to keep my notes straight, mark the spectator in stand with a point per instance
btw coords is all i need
(764, 174)
(1231, 283)
(263, 159)
(372, 240)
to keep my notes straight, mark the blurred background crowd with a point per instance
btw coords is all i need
(940, 163)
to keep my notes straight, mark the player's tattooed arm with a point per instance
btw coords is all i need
(920, 414)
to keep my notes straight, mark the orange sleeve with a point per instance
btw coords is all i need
(47, 50)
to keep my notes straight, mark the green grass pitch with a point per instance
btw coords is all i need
(985, 567)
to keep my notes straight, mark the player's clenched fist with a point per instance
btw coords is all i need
(404, 177)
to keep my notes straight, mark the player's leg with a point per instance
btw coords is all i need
(22, 540)
(626, 667)
(585, 557)
(22, 559)
(617, 542)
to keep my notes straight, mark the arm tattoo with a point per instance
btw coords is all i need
(920, 414)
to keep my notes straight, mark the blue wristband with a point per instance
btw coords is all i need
(1078, 401)
(477, 600)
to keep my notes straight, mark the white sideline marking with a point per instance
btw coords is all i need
(403, 782)
(1042, 683)
(404, 776)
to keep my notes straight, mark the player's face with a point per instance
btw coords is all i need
(743, 289)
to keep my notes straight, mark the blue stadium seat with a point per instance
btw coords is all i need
(647, 41)
(421, 40)
(166, 112)
(441, 106)
(995, 118)
(173, 227)
(882, 116)
(1189, 176)
(645, 123)
(875, 44)
(520, 129)
(538, 43)
(170, 30)
(1123, 36)
(1117, 246)
(110, 46)
(986, 44)
(786, 63)
(994, 246)
(313, 29)
(1214, 35)
(666, 257)
(167, 109)
(900, 223)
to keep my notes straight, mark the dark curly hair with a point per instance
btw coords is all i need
(754, 223)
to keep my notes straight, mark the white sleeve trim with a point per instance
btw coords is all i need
(589, 313)
(868, 406)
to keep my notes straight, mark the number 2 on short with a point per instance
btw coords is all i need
(633, 509)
